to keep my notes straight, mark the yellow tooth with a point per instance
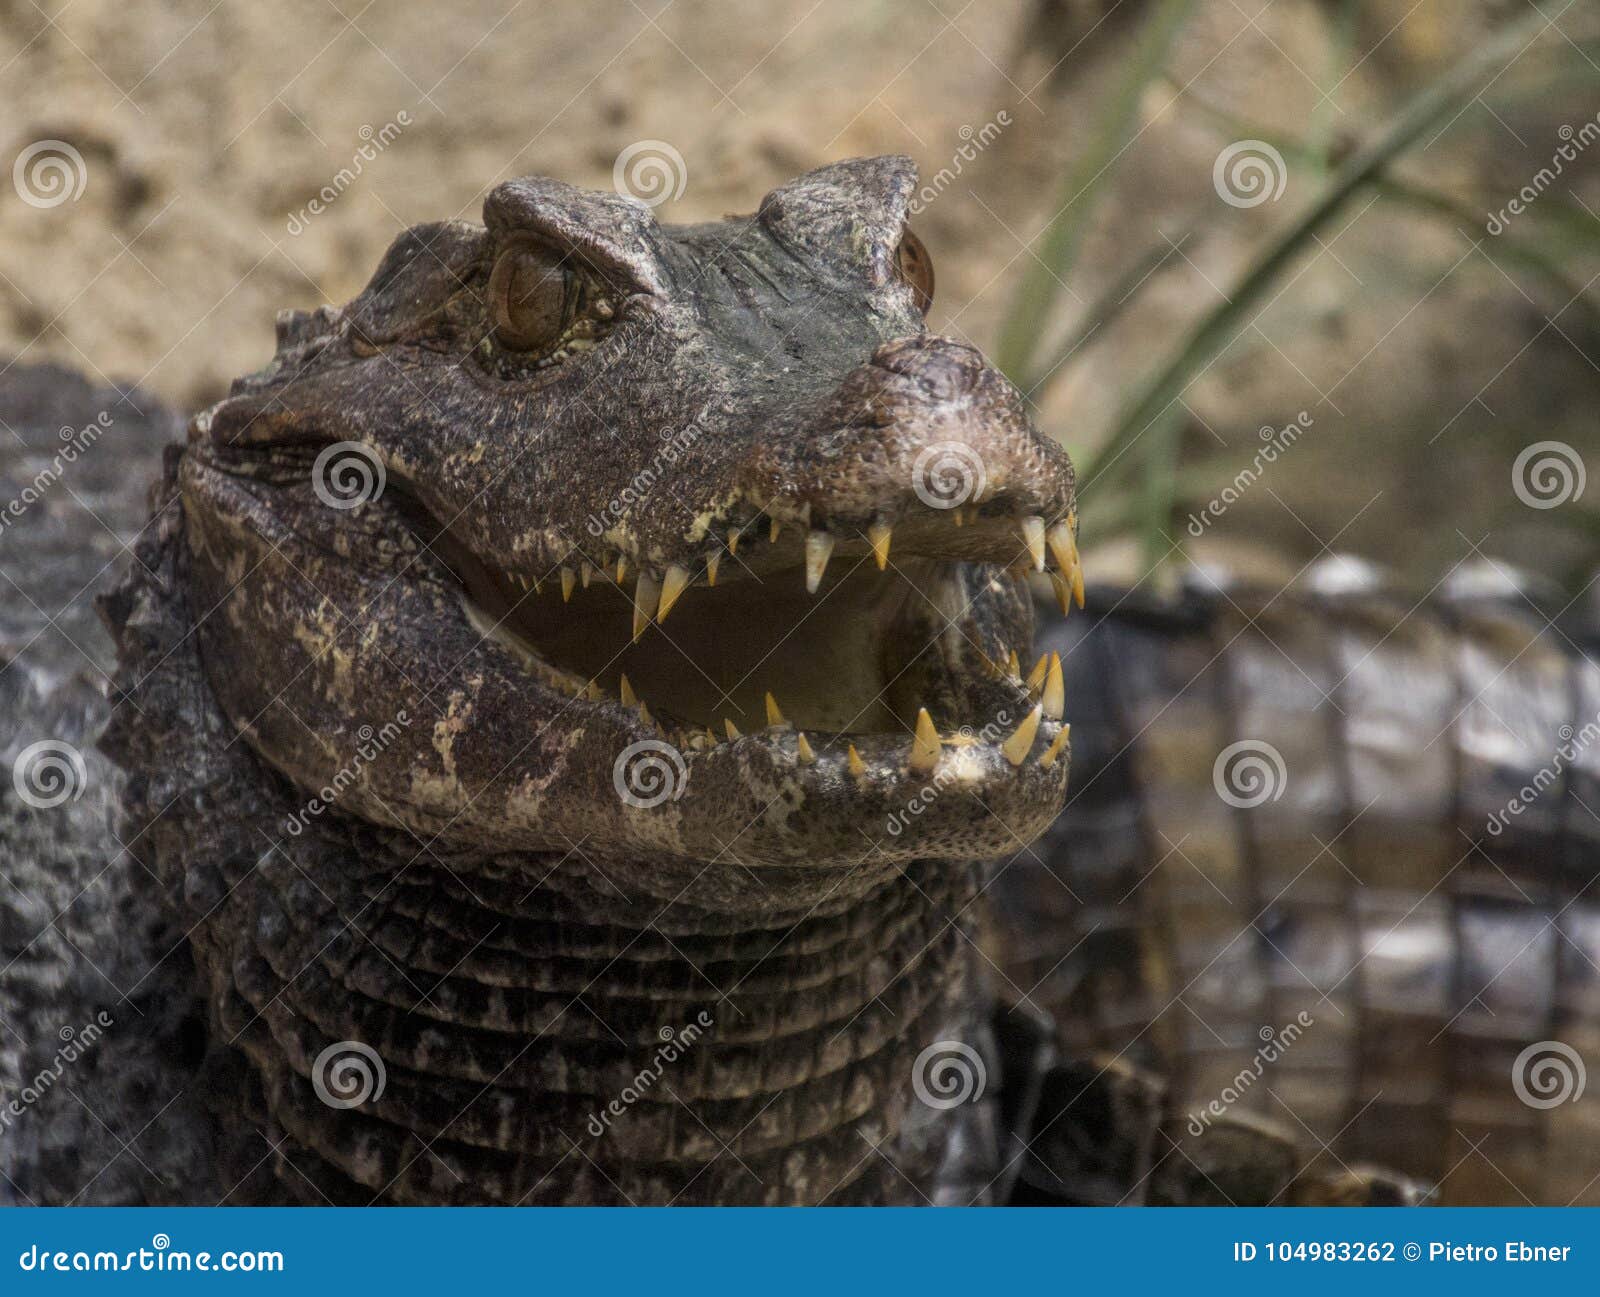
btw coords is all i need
(675, 584)
(925, 745)
(733, 543)
(956, 515)
(646, 598)
(802, 750)
(712, 564)
(1015, 748)
(1013, 665)
(819, 549)
(1077, 585)
(772, 532)
(622, 567)
(1054, 698)
(569, 579)
(774, 716)
(644, 714)
(593, 691)
(586, 573)
(1063, 546)
(1053, 752)
(712, 735)
(733, 730)
(625, 692)
(1033, 538)
(878, 535)
(1036, 676)
(1063, 589)
(854, 761)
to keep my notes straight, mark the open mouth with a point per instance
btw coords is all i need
(826, 645)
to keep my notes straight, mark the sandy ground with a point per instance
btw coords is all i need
(208, 128)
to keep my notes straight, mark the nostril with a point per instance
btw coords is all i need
(943, 367)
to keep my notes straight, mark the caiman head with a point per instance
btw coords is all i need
(680, 540)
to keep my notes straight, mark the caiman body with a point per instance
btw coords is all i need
(382, 918)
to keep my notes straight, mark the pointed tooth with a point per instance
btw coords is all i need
(1015, 748)
(712, 735)
(1014, 665)
(677, 580)
(644, 714)
(925, 745)
(1054, 698)
(712, 564)
(957, 517)
(772, 531)
(732, 729)
(569, 579)
(774, 716)
(854, 761)
(819, 549)
(586, 573)
(1052, 753)
(1077, 585)
(1036, 676)
(646, 597)
(593, 692)
(622, 567)
(1063, 588)
(625, 692)
(1063, 546)
(802, 750)
(733, 543)
(1033, 538)
(878, 535)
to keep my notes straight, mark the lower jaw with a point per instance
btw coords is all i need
(536, 1067)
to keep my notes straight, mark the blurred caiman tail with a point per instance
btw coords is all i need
(1322, 898)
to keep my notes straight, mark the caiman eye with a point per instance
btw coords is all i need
(530, 294)
(916, 268)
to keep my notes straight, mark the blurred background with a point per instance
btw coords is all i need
(1285, 276)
